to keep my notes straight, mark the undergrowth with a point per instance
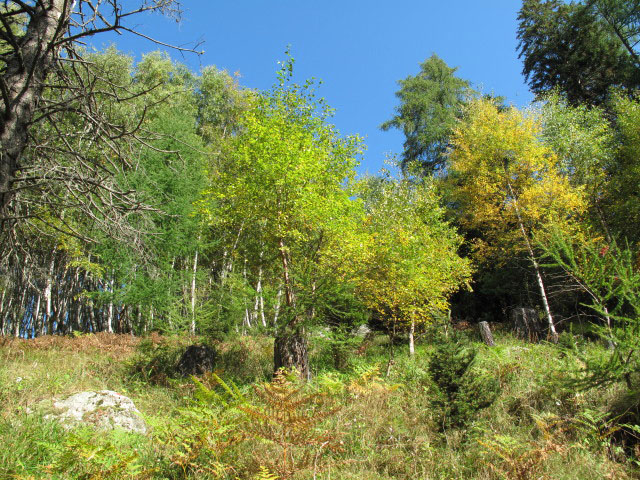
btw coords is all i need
(350, 422)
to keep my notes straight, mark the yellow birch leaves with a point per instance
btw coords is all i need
(500, 168)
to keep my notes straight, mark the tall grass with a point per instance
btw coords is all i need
(377, 427)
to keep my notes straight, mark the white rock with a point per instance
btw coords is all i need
(105, 409)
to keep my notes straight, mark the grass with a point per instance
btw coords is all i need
(371, 427)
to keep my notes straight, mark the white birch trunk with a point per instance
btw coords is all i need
(36, 316)
(247, 316)
(552, 328)
(110, 308)
(20, 314)
(412, 329)
(47, 296)
(193, 293)
(276, 307)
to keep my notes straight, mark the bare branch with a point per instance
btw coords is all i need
(168, 45)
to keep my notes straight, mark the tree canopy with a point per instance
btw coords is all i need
(430, 104)
(582, 49)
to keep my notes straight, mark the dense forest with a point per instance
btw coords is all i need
(141, 197)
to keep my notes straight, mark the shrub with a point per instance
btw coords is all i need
(156, 361)
(458, 394)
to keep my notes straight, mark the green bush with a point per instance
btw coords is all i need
(458, 394)
(156, 361)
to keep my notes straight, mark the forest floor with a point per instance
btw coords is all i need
(347, 423)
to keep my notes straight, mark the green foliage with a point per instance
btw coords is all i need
(570, 47)
(609, 274)
(87, 454)
(246, 359)
(25, 441)
(516, 461)
(194, 442)
(622, 199)
(430, 105)
(156, 361)
(383, 430)
(284, 192)
(459, 395)
(264, 474)
(583, 139)
(403, 259)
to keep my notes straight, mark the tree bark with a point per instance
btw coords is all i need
(110, 308)
(485, 333)
(193, 293)
(47, 296)
(22, 85)
(290, 345)
(290, 352)
(412, 345)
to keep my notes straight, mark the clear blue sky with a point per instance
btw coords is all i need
(359, 49)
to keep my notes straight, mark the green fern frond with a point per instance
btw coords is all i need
(264, 474)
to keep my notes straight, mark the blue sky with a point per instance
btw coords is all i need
(359, 49)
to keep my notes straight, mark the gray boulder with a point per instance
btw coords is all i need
(104, 410)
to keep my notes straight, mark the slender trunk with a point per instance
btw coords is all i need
(110, 308)
(247, 319)
(92, 317)
(288, 291)
(258, 307)
(47, 296)
(276, 307)
(20, 314)
(392, 339)
(5, 317)
(36, 316)
(193, 293)
(552, 328)
(2, 310)
(412, 329)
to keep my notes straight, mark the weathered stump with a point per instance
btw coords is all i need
(485, 333)
(196, 360)
(527, 324)
(291, 351)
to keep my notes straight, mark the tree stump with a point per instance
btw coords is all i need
(196, 360)
(485, 333)
(527, 324)
(291, 351)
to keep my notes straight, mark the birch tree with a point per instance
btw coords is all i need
(403, 259)
(285, 184)
(505, 182)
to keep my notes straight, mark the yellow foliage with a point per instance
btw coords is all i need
(502, 175)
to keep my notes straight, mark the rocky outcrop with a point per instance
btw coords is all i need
(104, 409)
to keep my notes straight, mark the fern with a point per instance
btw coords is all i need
(288, 418)
(231, 395)
(370, 383)
(264, 474)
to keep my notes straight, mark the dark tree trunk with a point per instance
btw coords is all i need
(290, 350)
(527, 324)
(22, 85)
